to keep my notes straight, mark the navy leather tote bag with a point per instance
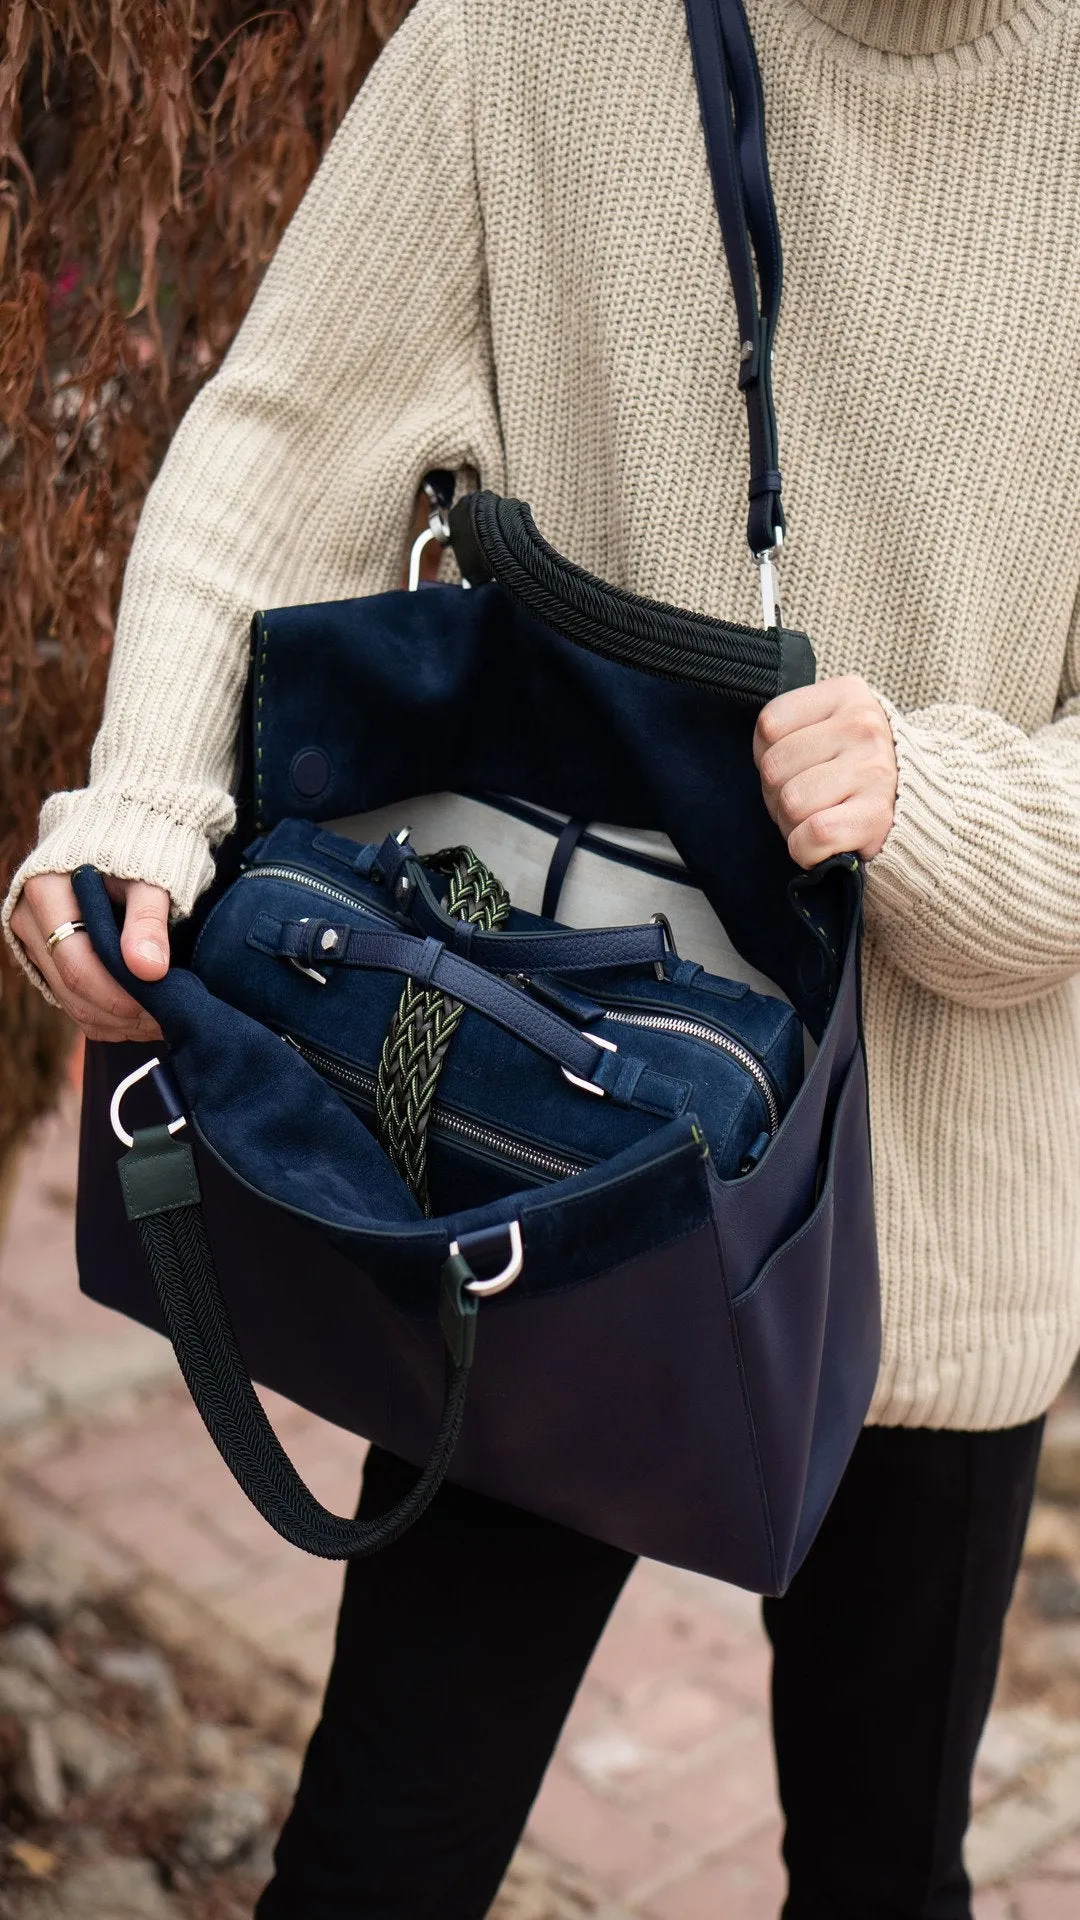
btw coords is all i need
(665, 1347)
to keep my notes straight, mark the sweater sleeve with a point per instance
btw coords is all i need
(362, 364)
(976, 892)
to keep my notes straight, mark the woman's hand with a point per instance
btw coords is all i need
(73, 972)
(828, 769)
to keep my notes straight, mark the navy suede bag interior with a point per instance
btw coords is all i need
(291, 943)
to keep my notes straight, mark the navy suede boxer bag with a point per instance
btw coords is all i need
(555, 1211)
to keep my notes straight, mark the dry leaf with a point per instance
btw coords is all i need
(151, 154)
(37, 1861)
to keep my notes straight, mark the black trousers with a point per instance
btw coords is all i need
(460, 1649)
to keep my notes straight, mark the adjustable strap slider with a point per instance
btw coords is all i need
(749, 364)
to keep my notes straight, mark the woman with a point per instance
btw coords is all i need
(509, 263)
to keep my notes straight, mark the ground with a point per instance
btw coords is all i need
(189, 1650)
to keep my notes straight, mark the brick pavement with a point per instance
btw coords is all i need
(661, 1797)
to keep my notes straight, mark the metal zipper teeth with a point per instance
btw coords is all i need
(696, 1030)
(556, 1166)
(315, 886)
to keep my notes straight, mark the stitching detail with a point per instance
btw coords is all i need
(262, 643)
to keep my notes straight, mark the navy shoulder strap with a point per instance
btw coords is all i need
(732, 107)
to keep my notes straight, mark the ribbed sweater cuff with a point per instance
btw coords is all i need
(918, 852)
(122, 836)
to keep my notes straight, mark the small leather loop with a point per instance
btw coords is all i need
(391, 858)
(685, 974)
(618, 1074)
(628, 1082)
(303, 944)
(424, 968)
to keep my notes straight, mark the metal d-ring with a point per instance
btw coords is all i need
(128, 1139)
(499, 1281)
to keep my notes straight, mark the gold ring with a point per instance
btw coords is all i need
(64, 932)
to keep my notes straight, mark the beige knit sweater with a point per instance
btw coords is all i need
(510, 262)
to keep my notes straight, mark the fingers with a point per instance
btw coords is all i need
(797, 753)
(802, 708)
(819, 787)
(72, 971)
(144, 942)
(828, 769)
(853, 827)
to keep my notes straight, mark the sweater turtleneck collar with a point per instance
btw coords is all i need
(914, 26)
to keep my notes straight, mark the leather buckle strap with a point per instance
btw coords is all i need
(562, 950)
(387, 950)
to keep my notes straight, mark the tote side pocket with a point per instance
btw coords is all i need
(809, 1334)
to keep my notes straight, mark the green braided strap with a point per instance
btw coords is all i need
(424, 1024)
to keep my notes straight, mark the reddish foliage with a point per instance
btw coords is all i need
(151, 152)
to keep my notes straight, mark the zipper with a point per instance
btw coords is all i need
(552, 1166)
(303, 879)
(690, 1029)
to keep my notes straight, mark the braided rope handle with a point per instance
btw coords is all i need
(424, 1024)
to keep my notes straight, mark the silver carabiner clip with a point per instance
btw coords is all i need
(415, 552)
(770, 586)
(438, 528)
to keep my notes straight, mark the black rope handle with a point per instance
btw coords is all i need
(161, 1195)
(497, 539)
